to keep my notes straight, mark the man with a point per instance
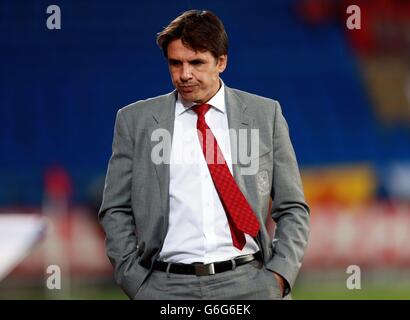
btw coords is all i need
(198, 229)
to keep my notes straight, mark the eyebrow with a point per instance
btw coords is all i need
(196, 60)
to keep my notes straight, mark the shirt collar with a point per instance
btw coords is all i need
(217, 102)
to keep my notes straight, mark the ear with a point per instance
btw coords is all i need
(222, 63)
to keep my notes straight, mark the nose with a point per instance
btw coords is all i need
(186, 72)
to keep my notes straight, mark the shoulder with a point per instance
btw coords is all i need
(251, 97)
(140, 114)
(256, 104)
(147, 105)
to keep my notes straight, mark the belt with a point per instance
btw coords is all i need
(201, 269)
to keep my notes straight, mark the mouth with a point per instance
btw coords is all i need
(187, 89)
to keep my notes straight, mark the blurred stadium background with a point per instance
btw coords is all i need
(345, 94)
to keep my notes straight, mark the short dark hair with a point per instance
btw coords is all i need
(200, 30)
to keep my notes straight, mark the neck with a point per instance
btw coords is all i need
(210, 96)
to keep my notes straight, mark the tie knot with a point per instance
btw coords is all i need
(201, 109)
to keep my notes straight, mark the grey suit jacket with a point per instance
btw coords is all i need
(135, 207)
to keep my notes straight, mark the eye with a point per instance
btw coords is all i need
(174, 62)
(197, 62)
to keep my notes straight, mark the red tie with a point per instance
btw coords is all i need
(241, 217)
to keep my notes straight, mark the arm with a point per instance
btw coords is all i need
(289, 209)
(115, 214)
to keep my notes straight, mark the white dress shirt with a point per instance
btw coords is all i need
(198, 228)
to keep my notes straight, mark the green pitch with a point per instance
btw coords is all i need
(301, 292)
(335, 292)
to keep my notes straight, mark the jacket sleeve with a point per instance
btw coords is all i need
(289, 208)
(115, 215)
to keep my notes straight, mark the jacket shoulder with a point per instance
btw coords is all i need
(252, 100)
(147, 104)
(248, 97)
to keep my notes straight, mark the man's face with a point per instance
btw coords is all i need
(194, 74)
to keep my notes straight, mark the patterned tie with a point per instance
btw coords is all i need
(241, 217)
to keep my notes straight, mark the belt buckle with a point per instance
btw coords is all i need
(204, 269)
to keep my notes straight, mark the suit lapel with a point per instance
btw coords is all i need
(238, 120)
(164, 120)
